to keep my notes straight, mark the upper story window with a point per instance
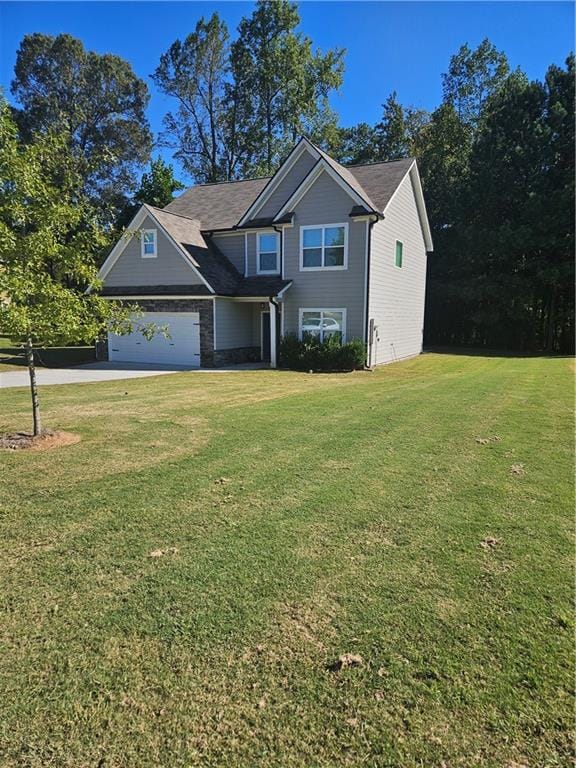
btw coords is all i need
(399, 253)
(324, 247)
(148, 244)
(268, 253)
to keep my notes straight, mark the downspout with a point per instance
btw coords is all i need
(367, 297)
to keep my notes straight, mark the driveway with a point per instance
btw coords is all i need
(104, 371)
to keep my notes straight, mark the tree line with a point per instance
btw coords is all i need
(496, 156)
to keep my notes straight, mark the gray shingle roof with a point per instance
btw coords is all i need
(218, 206)
(381, 180)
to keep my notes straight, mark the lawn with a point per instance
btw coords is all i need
(12, 356)
(178, 587)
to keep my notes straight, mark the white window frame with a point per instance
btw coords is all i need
(149, 232)
(301, 311)
(268, 271)
(323, 227)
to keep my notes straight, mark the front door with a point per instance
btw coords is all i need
(265, 336)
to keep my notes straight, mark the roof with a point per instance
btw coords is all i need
(218, 206)
(381, 180)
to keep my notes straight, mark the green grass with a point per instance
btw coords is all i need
(311, 516)
(12, 356)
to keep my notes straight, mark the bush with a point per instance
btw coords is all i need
(313, 355)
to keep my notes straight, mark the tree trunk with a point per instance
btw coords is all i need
(33, 389)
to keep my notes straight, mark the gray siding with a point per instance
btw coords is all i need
(233, 324)
(287, 186)
(397, 294)
(168, 268)
(326, 203)
(232, 246)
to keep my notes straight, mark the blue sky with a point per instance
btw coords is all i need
(402, 46)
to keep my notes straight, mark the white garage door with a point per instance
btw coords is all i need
(182, 348)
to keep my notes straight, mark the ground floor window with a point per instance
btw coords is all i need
(323, 324)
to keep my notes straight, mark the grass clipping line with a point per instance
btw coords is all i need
(16, 441)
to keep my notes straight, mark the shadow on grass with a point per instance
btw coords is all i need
(49, 357)
(481, 352)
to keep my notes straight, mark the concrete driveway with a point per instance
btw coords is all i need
(105, 372)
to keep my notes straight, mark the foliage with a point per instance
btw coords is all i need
(241, 105)
(96, 101)
(48, 239)
(473, 75)
(285, 81)
(398, 129)
(156, 188)
(195, 72)
(311, 354)
(504, 273)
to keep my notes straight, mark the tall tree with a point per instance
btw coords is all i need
(473, 75)
(48, 239)
(398, 129)
(95, 100)
(195, 72)
(157, 188)
(281, 83)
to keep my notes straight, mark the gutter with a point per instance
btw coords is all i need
(371, 223)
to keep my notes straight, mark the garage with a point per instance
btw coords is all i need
(181, 348)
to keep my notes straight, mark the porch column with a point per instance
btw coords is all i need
(273, 326)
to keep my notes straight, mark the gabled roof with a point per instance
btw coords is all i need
(218, 206)
(216, 274)
(224, 206)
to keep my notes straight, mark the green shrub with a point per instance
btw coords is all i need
(310, 354)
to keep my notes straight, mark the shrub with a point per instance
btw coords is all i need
(310, 354)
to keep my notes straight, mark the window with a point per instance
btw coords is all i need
(268, 253)
(399, 253)
(324, 247)
(148, 244)
(323, 323)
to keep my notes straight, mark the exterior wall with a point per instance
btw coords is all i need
(204, 307)
(232, 246)
(168, 268)
(396, 300)
(326, 203)
(287, 186)
(233, 321)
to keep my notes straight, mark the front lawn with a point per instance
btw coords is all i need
(178, 587)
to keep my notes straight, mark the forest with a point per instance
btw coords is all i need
(496, 156)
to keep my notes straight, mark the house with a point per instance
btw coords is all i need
(318, 249)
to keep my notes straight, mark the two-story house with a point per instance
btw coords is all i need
(318, 248)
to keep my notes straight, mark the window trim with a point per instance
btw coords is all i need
(401, 244)
(323, 227)
(268, 271)
(301, 311)
(149, 255)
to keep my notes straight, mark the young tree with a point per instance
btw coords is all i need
(473, 75)
(96, 101)
(48, 236)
